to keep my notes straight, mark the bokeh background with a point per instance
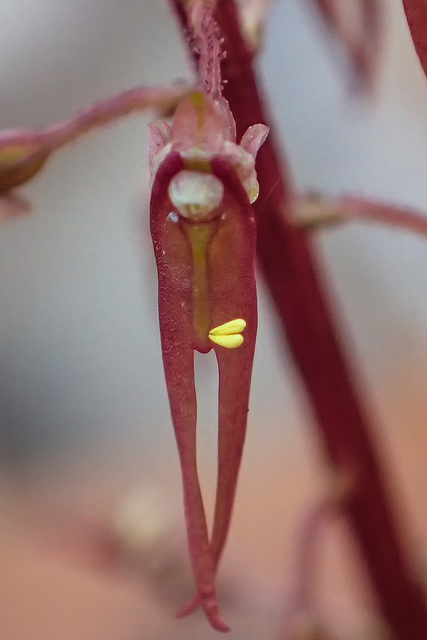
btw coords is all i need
(83, 407)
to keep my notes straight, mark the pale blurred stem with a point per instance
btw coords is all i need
(354, 44)
(106, 111)
(302, 614)
(295, 278)
(23, 153)
(362, 48)
(307, 556)
(253, 17)
(354, 208)
(400, 217)
(42, 143)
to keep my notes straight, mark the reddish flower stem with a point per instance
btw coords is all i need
(307, 556)
(318, 211)
(302, 614)
(399, 217)
(294, 277)
(416, 15)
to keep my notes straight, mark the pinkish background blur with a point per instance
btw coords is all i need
(83, 409)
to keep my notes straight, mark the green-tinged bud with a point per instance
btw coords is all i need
(19, 162)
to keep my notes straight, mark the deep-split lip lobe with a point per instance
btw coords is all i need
(219, 313)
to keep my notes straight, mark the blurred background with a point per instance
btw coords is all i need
(84, 416)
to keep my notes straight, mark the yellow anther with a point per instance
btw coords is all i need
(227, 329)
(229, 342)
(228, 335)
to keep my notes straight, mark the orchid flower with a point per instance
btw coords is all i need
(204, 237)
(204, 234)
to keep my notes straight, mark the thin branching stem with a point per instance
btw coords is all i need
(317, 211)
(403, 218)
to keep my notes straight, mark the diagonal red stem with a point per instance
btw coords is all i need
(416, 15)
(398, 217)
(318, 211)
(294, 277)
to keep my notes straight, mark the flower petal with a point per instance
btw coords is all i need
(253, 138)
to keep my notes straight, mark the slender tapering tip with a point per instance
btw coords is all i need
(219, 625)
(214, 618)
(211, 612)
(189, 608)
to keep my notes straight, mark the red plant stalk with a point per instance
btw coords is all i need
(294, 277)
(416, 15)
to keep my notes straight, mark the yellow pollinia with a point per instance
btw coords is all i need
(228, 335)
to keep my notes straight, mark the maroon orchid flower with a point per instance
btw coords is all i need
(204, 237)
(203, 230)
